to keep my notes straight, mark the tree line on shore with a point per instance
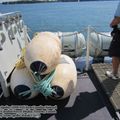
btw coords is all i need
(36, 1)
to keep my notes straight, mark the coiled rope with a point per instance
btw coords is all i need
(42, 85)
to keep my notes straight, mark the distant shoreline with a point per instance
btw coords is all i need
(29, 2)
(25, 2)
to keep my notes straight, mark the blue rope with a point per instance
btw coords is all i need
(42, 85)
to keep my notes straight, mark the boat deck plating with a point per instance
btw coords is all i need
(84, 104)
(110, 86)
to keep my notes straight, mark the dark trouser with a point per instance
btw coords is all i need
(114, 50)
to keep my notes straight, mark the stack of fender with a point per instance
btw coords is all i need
(42, 56)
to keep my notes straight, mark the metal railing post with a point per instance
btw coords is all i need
(4, 86)
(88, 49)
(26, 37)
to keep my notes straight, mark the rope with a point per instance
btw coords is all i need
(74, 33)
(42, 85)
(20, 63)
(102, 34)
(65, 35)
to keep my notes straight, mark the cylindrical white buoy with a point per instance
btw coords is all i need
(22, 81)
(43, 53)
(65, 79)
(99, 44)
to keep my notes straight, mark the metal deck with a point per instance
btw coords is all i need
(84, 104)
(111, 87)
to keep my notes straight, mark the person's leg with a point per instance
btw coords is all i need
(115, 65)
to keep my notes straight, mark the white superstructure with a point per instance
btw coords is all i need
(12, 40)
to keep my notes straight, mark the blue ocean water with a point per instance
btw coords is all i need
(65, 16)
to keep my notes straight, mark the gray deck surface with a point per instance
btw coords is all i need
(112, 87)
(84, 104)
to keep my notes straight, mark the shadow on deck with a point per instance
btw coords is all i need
(111, 87)
(84, 103)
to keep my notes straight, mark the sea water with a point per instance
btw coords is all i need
(65, 16)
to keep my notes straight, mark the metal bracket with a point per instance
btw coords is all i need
(4, 86)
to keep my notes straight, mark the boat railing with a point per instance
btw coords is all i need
(7, 17)
(18, 39)
(13, 37)
(96, 43)
(98, 40)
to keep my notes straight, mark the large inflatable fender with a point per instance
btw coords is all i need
(43, 53)
(22, 81)
(65, 78)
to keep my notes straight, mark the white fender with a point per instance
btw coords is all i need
(21, 81)
(65, 78)
(43, 53)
